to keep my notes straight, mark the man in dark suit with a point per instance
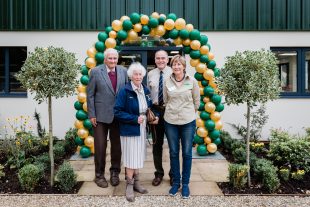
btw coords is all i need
(105, 82)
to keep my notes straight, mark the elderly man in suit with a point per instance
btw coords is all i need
(104, 84)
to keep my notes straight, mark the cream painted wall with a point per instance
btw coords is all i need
(290, 114)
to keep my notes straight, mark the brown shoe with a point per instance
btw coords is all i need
(114, 179)
(101, 182)
(157, 181)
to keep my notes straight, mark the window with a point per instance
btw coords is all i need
(294, 65)
(11, 61)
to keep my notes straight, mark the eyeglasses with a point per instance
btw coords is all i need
(160, 58)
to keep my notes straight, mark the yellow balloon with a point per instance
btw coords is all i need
(81, 88)
(123, 18)
(177, 41)
(137, 27)
(90, 62)
(195, 45)
(78, 149)
(201, 67)
(155, 15)
(89, 71)
(89, 141)
(189, 27)
(92, 149)
(204, 49)
(202, 132)
(200, 122)
(180, 23)
(208, 74)
(206, 99)
(201, 91)
(210, 107)
(82, 133)
(144, 19)
(91, 52)
(212, 83)
(78, 124)
(82, 97)
(211, 148)
(112, 34)
(186, 42)
(211, 56)
(110, 43)
(153, 32)
(199, 84)
(117, 25)
(207, 140)
(132, 35)
(160, 30)
(218, 125)
(215, 116)
(194, 62)
(85, 106)
(169, 24)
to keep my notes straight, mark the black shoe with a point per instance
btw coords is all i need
(101, 182)
(157, 181)
(114, 178)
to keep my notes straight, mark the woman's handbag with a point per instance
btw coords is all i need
(150, 116)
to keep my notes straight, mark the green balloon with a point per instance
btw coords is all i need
(202, 150)
(78, 141)
(211, 64)
(118, 48)
(153, 22)
(84, 79)
(214, 134)
(166, 35)
(173, 34)
(187, 49)
(172, 16)
(217, 141)
(146, 30)
(102, 36)
(204, 58)
(203, 39)
(81, 115)
(184, 34)
(127, 25)
(87, 124)
(205, 116)
(122, 35)
(78, 105)
(85, 152)
(216, 72)
(194, 54)
(108, 30)
(219, 107)
(100, 47)
(198, 76)
(161, 20)
(209, 46)
(91, 131)
(204, 83)
(84, 70)
(194, 35)
(135, 18)
(99, 57)
(198, 140)
(208, 91)
(216, 99)
(201, 106)
(209, 124)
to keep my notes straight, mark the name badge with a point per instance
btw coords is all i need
(172, 88)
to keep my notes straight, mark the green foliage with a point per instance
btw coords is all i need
(298, 175)
(250, 77)
(70, 145)
(59, 151)
(66, 177)
(49, 72)
(43, 161)
(226, 140)
(41, 131)
(285, 173)
(2, 174)
(29, 177)
(237, 175)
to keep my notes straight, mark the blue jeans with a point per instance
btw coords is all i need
(174, 134)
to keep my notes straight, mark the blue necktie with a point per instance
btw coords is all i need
(160, 89)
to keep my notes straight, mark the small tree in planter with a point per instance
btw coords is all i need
(49, 72)
(250, 77)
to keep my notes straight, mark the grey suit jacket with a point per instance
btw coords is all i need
(100, 93)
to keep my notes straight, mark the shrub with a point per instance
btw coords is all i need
(66, 177)
(237, 175)
(29, 177)
(70, 145)
(2, 174)
(298, 175)
(42, 160)
(284, 174)
(59, 151)
(227, 140)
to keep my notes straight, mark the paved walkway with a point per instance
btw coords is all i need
(205, 173)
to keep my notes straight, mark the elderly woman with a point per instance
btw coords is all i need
(130, 109)
(182, 99)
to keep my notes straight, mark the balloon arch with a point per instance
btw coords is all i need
(130, 29)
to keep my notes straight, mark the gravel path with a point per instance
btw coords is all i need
(149, 201)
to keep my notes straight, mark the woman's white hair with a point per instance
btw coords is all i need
(135, 66)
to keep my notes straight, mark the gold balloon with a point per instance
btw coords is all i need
(91, 52)
(199, 84)
(144, 19)
(85, 106)
(78, 149)
(78, 124)
(137, 27)
(81, 88)
(153, 32)
(195, 45)
(211, 148)
(208, 74)
(212, 83)
(89, 141)
(169, 24)
(89, 71)
(162, 15)
(123, 18)
(132, 35)
(186, 42)
(206, 99)
(207, 140)
(210, 107)
(92, 149)
(90, 62)
(82, 133)
(204, 49)
(211, 56)
(194, 62)
(155, 15)
(202, 132)
(180, 23)
(82, 97)
(160, 30)
(218, 125)
(177, 41)
(112, 34)
(201, 91)
(215, 116)
(117, 25)
(189, 27)
(201, 67)
(200, 122)
(110, 43)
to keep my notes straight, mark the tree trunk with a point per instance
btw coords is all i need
(248, 142)
(50, 134)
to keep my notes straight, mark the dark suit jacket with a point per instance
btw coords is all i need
(100, 93)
